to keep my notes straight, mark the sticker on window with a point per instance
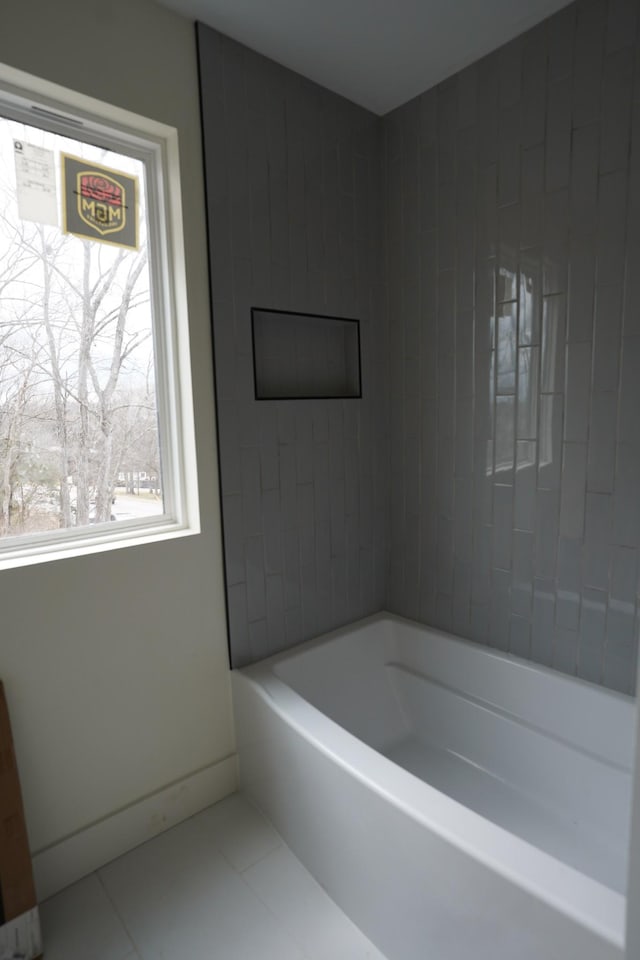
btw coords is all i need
(35, 183)
(99, 203)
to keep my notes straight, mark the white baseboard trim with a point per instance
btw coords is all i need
(62, 864)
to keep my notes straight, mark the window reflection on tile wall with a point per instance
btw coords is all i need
(516, 349)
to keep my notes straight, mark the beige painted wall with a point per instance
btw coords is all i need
(116, 663)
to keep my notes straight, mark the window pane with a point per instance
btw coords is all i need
(79, 438)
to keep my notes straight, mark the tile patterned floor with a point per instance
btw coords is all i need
(220, 886)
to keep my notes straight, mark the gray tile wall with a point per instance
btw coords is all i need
(295, 193)
(513, 267)
(489, 480)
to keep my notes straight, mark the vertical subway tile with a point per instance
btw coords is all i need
(481, 564)
(259, 641)
(578, 371)
(602, 442)
(593, 612)
(522, 574)
(446, 225)
(506, 348)
(487, 110)
(550, 441)
(238, 626)
(509, 234)
(622, 24)
(510, 72)
(619, 671)
(464, 437)
(574, 485)
(519, 636)
(582, 268)
(534, 77)
(560, 30)
(555, 242)
(505, 439)
(543, 621)
(616, 108)
(461, 614)
(528, 380)
(525, 485)
(558, 135)
(565, 650)
(607, 333)
(339, 593)
(624, 578)
(463, 519)
(272, 526)
(552, 359)
(531, 198)
(546, 533)
(619, 657)
(429, 188)
(502, 525)
(275, 611)
(629, 391)
(590, 35)
(269, 467)
(621, 640)
(444, 570)
(530, 297)
(509, 153)
(293, 628)
(487, 210)
(626, 503)
(254, 561)
(612, 218)
(444, 612)
(597, 549)
(308, 593)
(500, 609)
(583, 189)
(467, 96)
(480, 622)
(291, 559)
(251, 493)
(287, 463)
(568, 583)
(234, 539)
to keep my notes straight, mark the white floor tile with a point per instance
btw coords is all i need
(80, 924)
(313, 920)
(179, 898)
(242, 834)
(220, 886)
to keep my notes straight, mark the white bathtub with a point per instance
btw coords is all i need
(457, 803)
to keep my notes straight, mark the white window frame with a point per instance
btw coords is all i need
(41, 103)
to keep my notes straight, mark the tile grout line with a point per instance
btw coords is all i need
(136, 948)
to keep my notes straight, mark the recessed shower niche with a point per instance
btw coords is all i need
(303, 356)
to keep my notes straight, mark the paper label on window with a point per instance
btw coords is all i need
(36, 183)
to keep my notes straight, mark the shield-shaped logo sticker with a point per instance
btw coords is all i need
(102, 202)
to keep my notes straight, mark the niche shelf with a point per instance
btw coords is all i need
(303, 356)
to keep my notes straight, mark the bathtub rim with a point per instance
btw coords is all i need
(581, 898)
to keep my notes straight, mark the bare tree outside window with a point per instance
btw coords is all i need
(78, 417)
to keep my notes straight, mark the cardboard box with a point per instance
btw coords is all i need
(20, 937)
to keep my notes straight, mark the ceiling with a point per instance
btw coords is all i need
(378, 53)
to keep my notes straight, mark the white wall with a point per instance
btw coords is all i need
(116, 664)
